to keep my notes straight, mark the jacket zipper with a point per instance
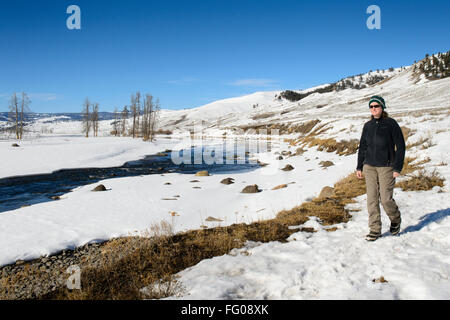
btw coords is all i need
(374, 139)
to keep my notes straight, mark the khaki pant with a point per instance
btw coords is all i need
(380, 185)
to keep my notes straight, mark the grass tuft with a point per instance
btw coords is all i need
(422, 181)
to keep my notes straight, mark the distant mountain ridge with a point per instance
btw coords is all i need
(59, 116)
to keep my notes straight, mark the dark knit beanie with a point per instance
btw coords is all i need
(378, 99)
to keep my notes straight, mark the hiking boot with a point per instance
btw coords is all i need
(395, 228)
(372, 236)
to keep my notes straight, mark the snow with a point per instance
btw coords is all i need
(321, 265)
(52, 152)
(340, 264)
(135, 204)
(400, 92)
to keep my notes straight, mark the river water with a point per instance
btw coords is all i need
(19, 191)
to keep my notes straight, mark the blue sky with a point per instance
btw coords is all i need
(189, 53)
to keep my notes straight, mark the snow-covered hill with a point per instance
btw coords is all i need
(411, 88)
(400, 88)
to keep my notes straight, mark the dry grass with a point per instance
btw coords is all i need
(330, 210)
(131, 263)
(344, 147)
(422, 181)
(420, 113)
(410, 164)
(424, 142)
(263, 115)
(407, 132)
(305, 127)
(417, 143)
(283, 128)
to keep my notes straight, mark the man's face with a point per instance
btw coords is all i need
(376, 109)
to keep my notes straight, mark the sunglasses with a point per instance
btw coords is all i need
(375, 106)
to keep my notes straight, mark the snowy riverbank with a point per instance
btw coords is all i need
(322, 265)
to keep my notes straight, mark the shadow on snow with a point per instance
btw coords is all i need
(427, 219)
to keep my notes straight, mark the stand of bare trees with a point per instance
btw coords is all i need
(150, 117)
(17, 109)
(143, 121)
(90, 119)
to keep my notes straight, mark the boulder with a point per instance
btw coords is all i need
(288, 167)
(280, 187)
(227, 181)
(251, 189)
(262, 164)
(100, 187)
(326, 164)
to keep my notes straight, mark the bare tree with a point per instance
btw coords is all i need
(86, 120)
(94, 118)
(154, 117)
(125, 114)
(146, 117)
(17, 110)
(133, 111)
(138, 110)
(24, 108)
(14, 114)
(116, 123)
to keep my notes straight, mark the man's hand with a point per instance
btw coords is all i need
(359, 174)
(396, 174)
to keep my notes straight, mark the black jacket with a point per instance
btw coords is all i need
(376, 147)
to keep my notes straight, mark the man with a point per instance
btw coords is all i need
(380, 156)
